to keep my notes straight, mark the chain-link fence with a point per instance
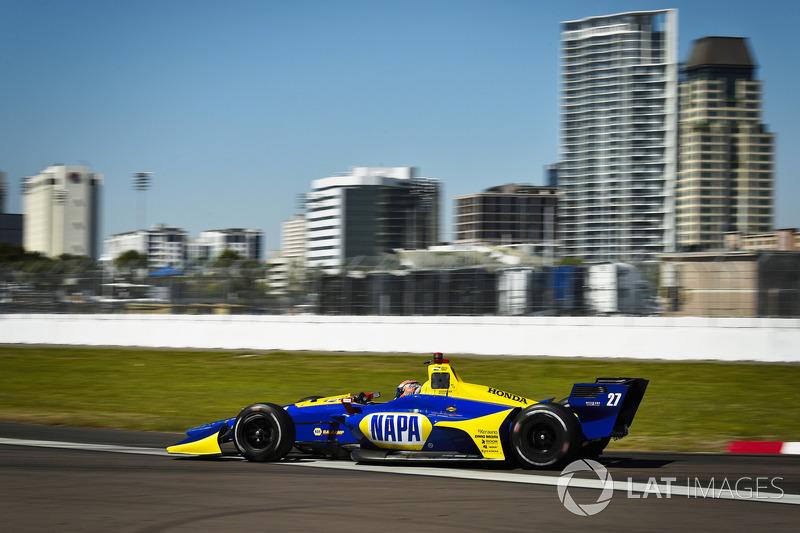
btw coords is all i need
(49, 286)
(490, 290)
(745, 284)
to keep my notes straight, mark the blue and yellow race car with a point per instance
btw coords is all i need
(448, 419)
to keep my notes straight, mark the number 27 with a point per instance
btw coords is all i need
(613, 398)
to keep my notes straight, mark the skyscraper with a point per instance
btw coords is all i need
(619, 81)
(725, 181)
(368, 212)
(61, 211)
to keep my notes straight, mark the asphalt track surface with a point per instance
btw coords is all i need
(77, 479)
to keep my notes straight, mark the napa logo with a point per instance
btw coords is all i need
(396, 431)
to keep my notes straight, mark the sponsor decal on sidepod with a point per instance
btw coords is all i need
(510, 396)
(398, 431)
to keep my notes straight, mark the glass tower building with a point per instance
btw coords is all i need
(618, 164)
(368, 212)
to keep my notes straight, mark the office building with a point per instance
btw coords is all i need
(507, 214)
(725, 181)
(61, 211)
(617, 171)
(10, 224)
(370, 211)
(780, 240)
(11, 228)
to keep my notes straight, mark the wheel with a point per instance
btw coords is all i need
(594, 448)
(263, 432)
(545, 434)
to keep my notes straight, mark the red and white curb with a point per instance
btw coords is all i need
(748, 446)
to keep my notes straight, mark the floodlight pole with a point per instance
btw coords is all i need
(141, 183)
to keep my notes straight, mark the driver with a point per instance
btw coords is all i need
(407, 388)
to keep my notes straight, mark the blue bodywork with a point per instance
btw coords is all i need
(341, 427)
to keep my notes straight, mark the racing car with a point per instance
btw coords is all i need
(448, 420)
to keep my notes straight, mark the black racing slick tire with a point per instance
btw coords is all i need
(264, 432)
(545, 435)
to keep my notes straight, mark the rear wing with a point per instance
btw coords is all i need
(606, 407)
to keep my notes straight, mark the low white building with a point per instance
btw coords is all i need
(163, 246)
(169, 246)
(245, 242)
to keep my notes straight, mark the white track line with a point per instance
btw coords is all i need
(652, 489)
(640, 489)
(83, 446)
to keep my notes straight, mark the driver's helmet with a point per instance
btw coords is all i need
(407, 388)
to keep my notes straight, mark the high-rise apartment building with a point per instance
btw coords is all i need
(507, 214)
(725, 180)
(619, 84)
(61, 211)
(370, 211)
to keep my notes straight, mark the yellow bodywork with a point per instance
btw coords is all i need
(206, 446)
(327, 399)
(484, 431)
(487, 440)
(470, 391)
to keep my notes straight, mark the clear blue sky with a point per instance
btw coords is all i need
(236, 106)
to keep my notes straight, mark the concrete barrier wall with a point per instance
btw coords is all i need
(726, 339)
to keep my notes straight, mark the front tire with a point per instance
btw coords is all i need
(545, 435)
(264, 432)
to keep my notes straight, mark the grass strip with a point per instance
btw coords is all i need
(689, 406)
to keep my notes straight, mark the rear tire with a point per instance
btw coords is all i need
(545, 435)
(264, 432)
